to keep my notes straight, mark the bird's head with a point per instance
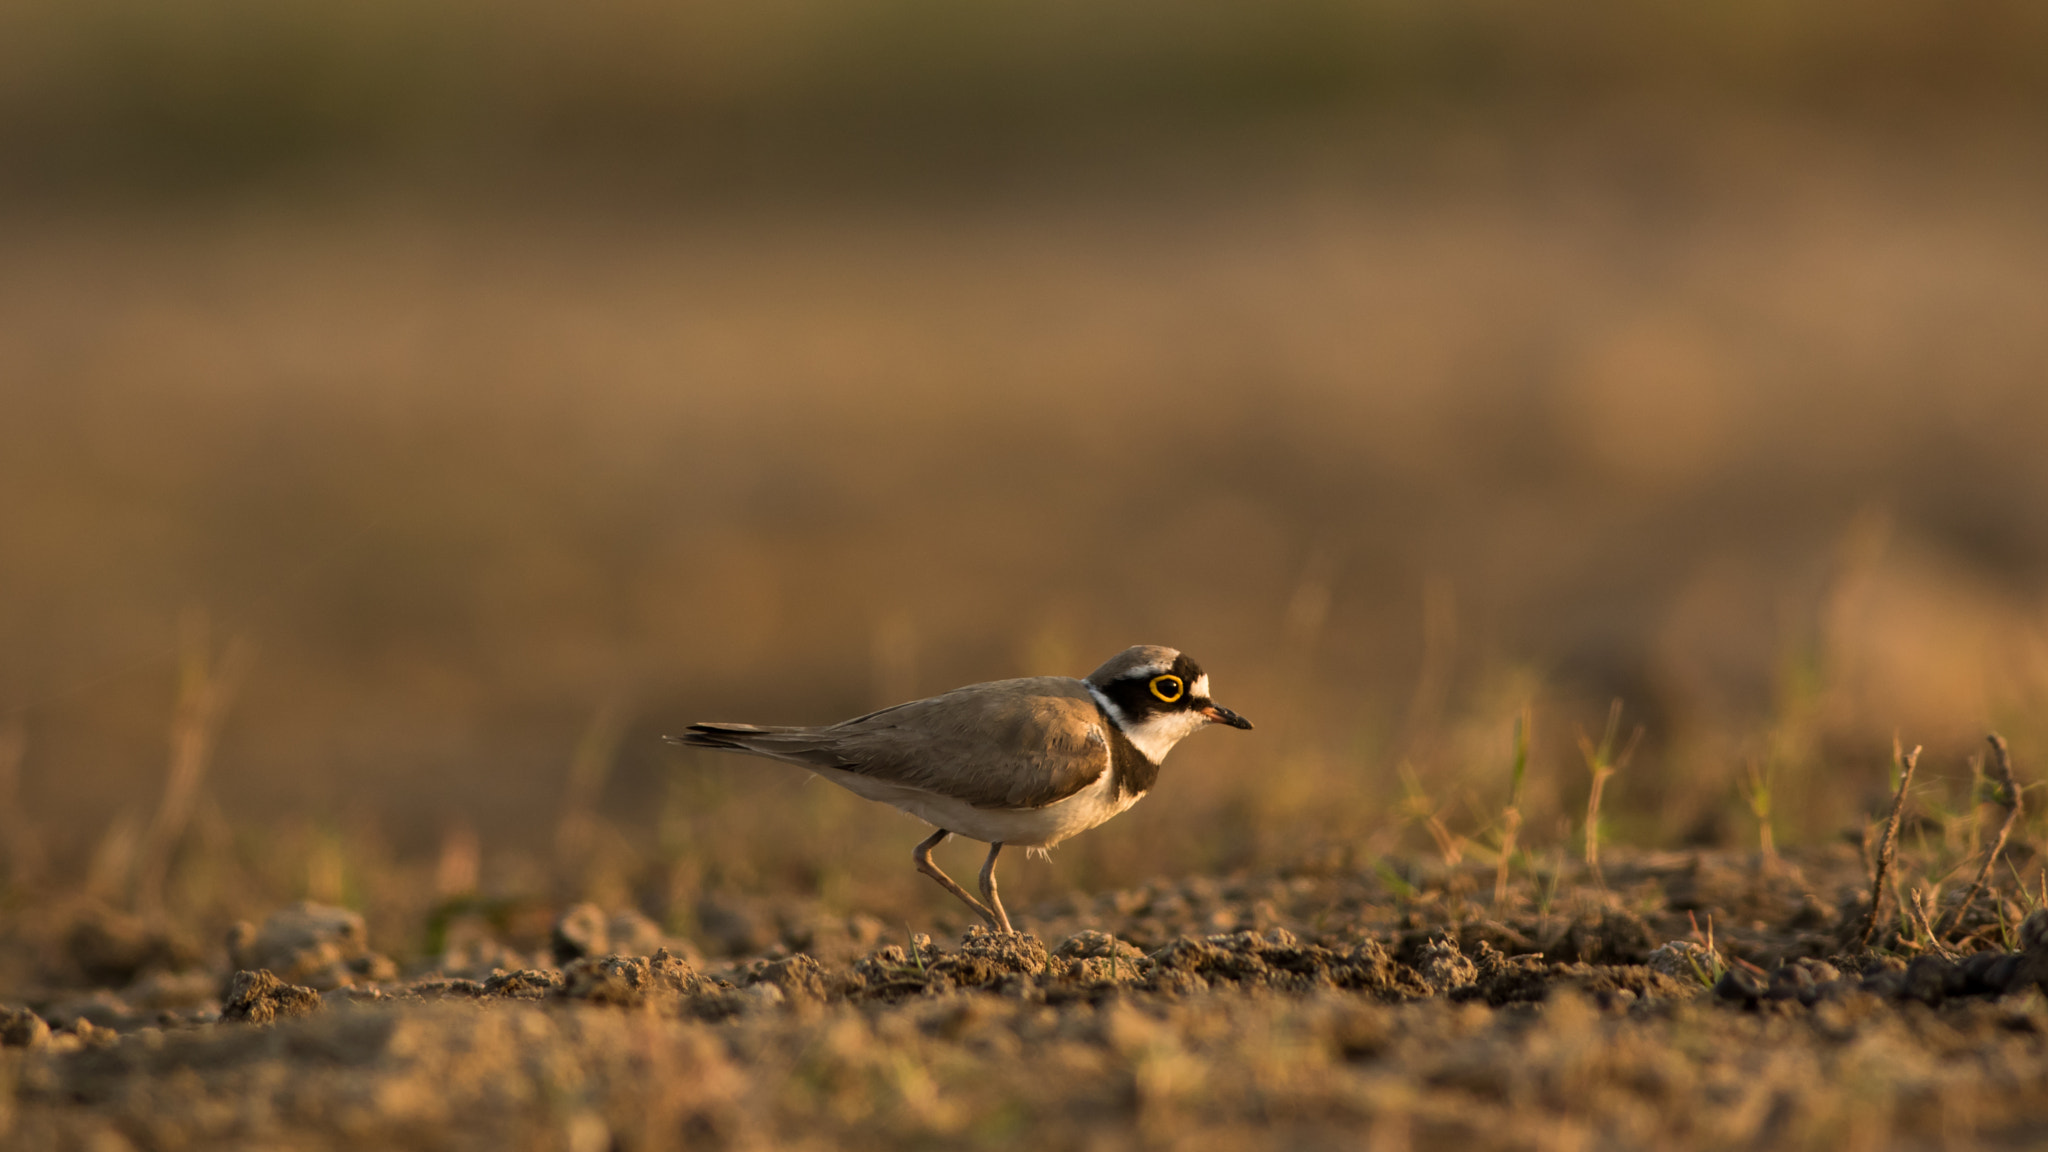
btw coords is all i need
(1157, 697)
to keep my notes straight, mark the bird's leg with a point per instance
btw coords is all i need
(922, 854)
(1001, 919)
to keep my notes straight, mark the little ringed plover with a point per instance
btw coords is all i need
(1027, 762)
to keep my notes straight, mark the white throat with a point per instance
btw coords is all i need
(1154, 737)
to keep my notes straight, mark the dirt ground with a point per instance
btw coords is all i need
(1330, 1004)
(411, 410)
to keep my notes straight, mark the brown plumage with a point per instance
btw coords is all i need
(1004, 744)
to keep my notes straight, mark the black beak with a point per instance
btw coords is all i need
(1222, 715)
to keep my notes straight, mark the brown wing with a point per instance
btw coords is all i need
(1006, 744)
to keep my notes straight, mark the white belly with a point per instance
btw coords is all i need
(1022, 827)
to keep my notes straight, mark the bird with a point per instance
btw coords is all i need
(1026, 762)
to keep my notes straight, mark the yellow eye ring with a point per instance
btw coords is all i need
(1168, 688)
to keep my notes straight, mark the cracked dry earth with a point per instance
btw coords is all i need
(1331, 1013)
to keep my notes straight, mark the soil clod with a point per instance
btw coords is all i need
(261, 998)
(312, 944)
(21, 1028)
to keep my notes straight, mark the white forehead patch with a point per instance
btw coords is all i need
(1200, 688)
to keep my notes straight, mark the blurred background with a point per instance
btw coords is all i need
(409, 411)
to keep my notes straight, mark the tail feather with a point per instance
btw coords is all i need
(795, 745)
(719, 735)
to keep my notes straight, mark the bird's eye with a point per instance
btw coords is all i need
(1167, 688)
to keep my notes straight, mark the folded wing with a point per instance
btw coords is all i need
(1007, 744)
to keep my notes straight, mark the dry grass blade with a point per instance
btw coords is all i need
(1925, 900)
(1757, 794)
(1511, 816)
(1421, 808)
(2008, 797)
(1602, 762)
(205, 689)
(1888, 847)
